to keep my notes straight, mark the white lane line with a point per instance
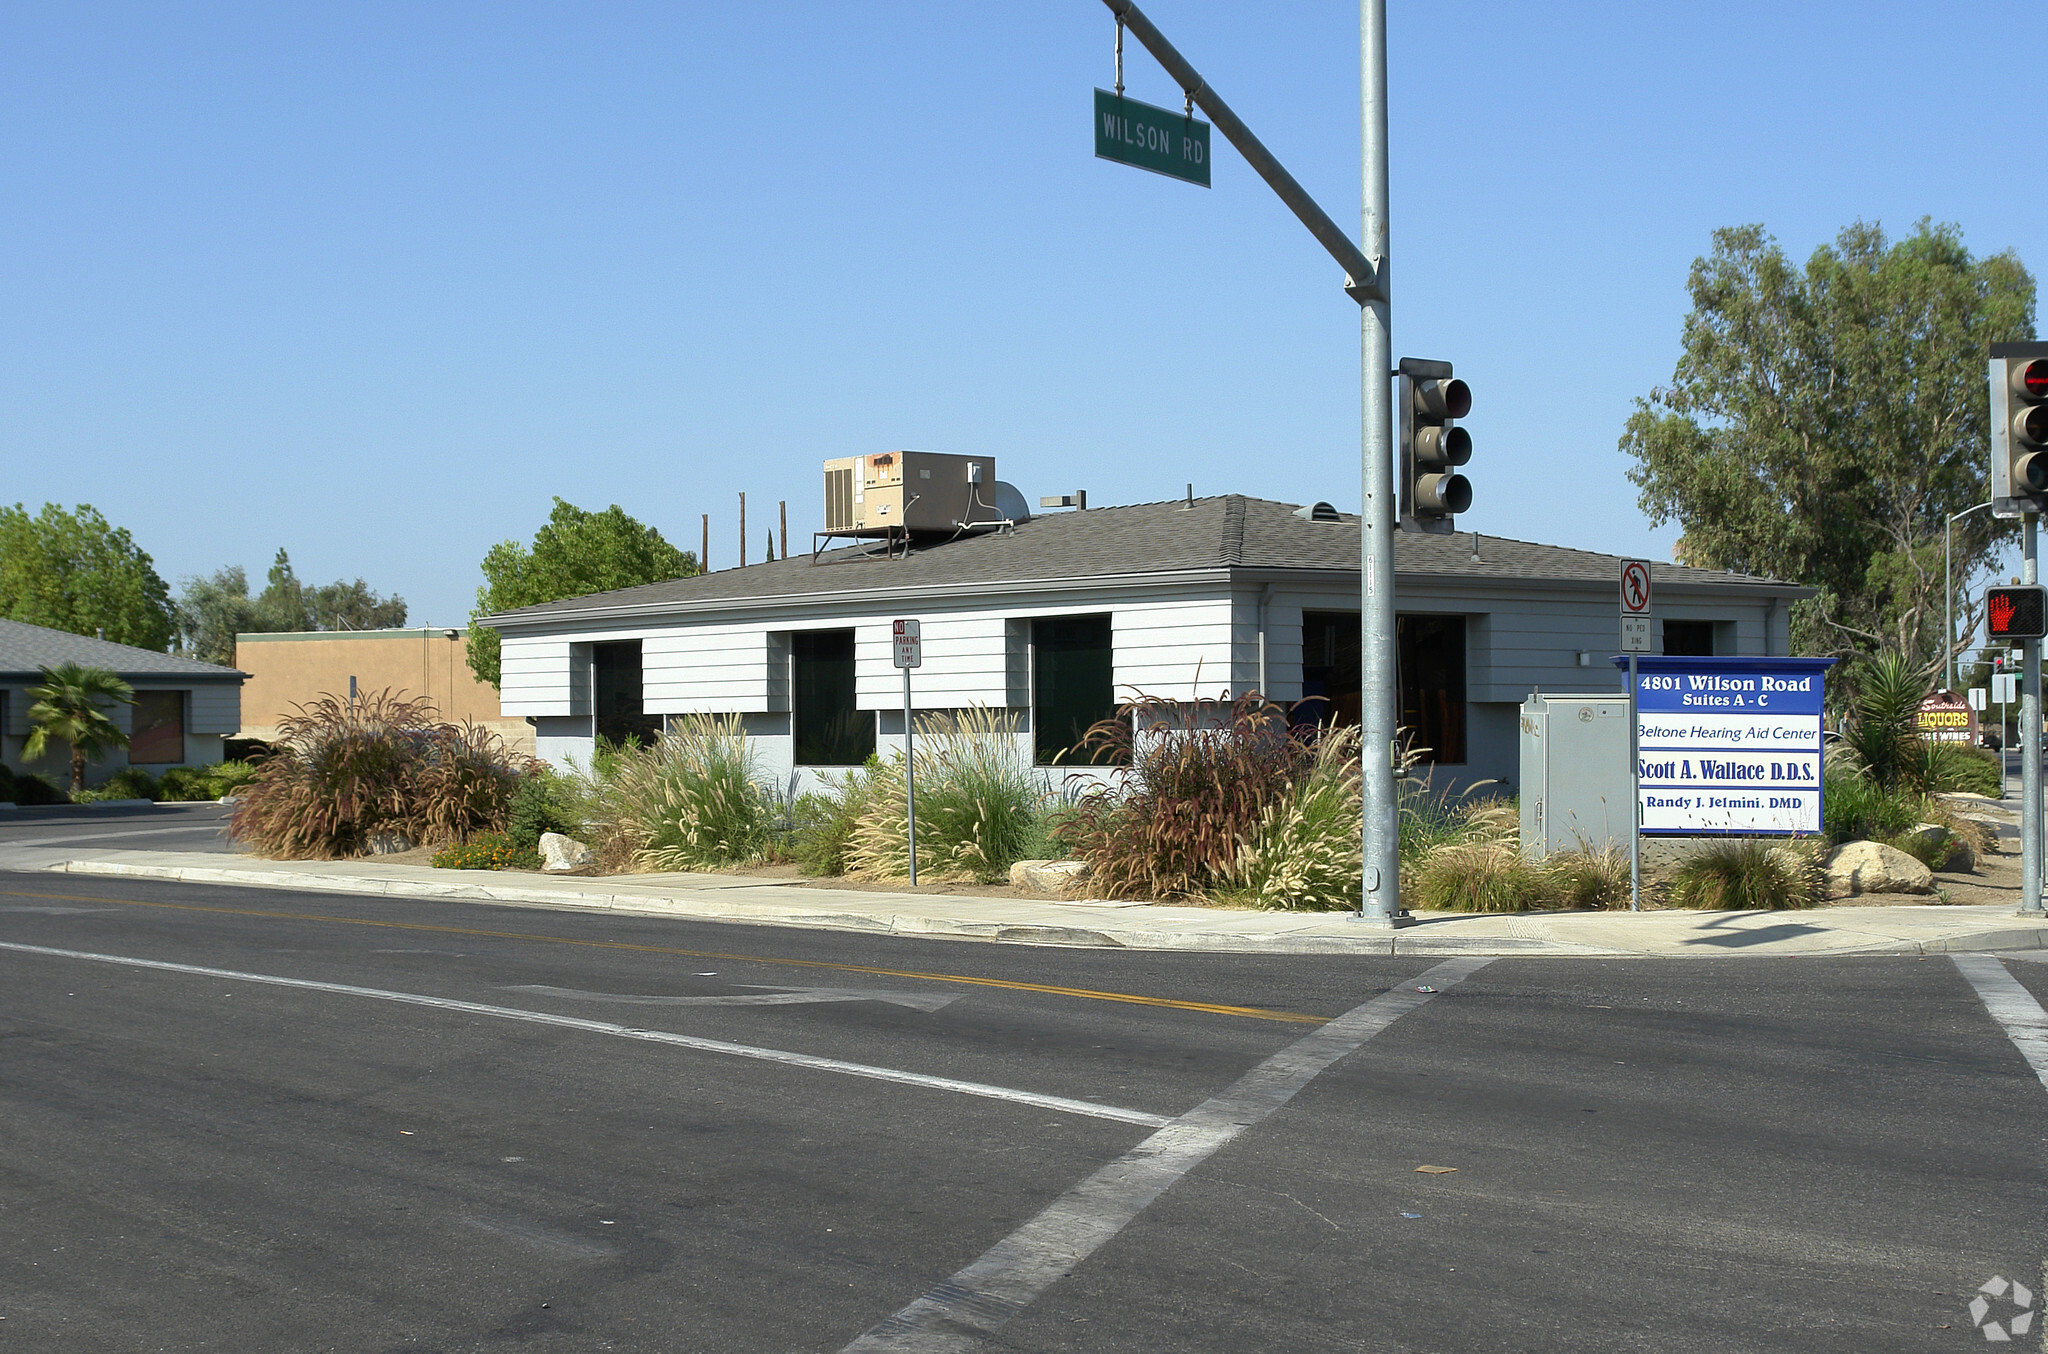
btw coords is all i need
(9, 843)
(2012, 1006)
(769, 996)
(958, 1313)
(773, 1055)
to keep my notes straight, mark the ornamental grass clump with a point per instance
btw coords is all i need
(345, 772)
(978, 803)
(1191, 787)
(1305, 853)
(694, 800)
(1747, 875)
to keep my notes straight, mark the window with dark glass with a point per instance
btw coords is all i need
(157, 729)
(831, 730)
(1692, 639)
(1331, 679)
(1074, 687)
(1432, 658)
(615, 683)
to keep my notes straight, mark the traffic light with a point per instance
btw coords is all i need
(1433, 447)
(2016, 612)
(2019, 428)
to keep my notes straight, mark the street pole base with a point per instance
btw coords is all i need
(1403, 918)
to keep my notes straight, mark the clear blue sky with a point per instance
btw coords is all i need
(373, 282)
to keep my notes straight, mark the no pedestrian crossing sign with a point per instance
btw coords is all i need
(907, 644)
(1635, 606)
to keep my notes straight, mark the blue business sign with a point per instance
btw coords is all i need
(1729, 745)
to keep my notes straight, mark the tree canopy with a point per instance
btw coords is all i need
(575, 553)
(1822, 424)
(212, 610)
(72, 571)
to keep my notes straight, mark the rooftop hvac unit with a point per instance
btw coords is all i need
(913, 492)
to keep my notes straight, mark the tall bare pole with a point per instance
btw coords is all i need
(743, 531)
(2030, 739)
(785, 528)
(1366, 283)
(704, 555)
(1380, 713)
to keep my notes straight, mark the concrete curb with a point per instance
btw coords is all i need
(720, 906)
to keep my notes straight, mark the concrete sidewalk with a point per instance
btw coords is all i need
(1909, 930)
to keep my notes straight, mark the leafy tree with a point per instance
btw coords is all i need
(576, 553)
(1823, 423)
(68, 707)
(72, 571)
(212, 610)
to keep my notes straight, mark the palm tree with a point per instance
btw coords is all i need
(68, 707)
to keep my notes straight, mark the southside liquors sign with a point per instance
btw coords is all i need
(1729, 746)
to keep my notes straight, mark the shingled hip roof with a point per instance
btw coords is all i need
(26, 649)
(1226, 534)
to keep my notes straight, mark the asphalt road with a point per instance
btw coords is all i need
(157, 827)
(450, 1133)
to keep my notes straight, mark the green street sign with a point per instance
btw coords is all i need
(1163, 140)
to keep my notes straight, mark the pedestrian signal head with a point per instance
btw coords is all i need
(2016, 612)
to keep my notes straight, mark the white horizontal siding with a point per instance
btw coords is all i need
(711, 669)
(1173, 650)
(966, 662)
(537, 676)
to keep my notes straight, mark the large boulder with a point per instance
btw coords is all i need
(1872, 867)
(1049, 878)
(562, 855)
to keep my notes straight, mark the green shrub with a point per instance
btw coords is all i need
(1949, 768)
(692, 800)
(190, 784)
(487, 851)
(1746, 875)
(130, 782)
(541, 804)
(822, 822)
(1855, 808)
(31, 790)
(346, 771)
(978, 802)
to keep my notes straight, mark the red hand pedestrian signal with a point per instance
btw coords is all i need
(2018, 612)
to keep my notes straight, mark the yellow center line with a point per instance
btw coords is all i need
(1130, 998)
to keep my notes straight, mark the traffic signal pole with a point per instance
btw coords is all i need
(1379, 712)
(2030, 743)
(1365, 281)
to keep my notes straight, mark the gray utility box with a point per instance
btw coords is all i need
(1575, 781)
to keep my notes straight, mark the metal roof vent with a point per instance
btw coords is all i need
(1319, 512)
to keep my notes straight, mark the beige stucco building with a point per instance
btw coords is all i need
(298, 668)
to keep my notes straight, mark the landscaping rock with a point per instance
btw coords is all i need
(562, 855)
(390, 844)
(1872, 867)
(1050, 878)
